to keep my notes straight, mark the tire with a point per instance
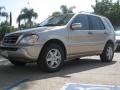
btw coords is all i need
(51, 58)
(108, 53)
(17, 63)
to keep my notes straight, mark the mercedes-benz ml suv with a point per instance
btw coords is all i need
(60, 38)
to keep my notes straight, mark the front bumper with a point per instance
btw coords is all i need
(21, 53)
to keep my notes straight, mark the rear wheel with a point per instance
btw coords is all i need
(108, 53)
(17, 63)
(51, 58)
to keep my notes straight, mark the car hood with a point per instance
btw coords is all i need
(35, 30)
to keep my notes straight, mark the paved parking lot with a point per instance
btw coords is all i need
(88, 70)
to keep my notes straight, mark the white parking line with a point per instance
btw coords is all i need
(78, 86)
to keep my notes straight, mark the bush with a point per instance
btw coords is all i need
(5, 29)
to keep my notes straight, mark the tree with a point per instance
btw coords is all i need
(3, 13)
(10, 19)
(109, 9)
(114, 15)
(64, 9)
(5, 29)
(5, 26)
(20, 17)
(56, 13)
(102, 7)
(27, 14)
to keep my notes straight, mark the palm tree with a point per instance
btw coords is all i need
(3, 13)
(65, 9)
(27, 14)
(56, 13)
(20, 17)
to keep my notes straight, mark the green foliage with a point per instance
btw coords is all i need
(26, 26)
(64, 10)
(5, 28)
(27, 15)
(3, 13)
(109, 9)
(56, 13)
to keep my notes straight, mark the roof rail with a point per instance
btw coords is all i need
(90, 13)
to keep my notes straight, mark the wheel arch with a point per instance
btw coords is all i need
(55, 41)
(111, 42)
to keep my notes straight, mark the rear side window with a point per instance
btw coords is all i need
(108, 23)
(96, 23)
(83, 20)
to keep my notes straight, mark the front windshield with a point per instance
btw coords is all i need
(58, 20)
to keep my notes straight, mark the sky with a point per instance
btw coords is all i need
(44, 8)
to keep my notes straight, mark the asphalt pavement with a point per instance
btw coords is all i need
(88, 70)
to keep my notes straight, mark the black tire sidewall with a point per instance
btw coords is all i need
(103, 56)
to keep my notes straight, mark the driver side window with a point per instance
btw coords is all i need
(83, 20)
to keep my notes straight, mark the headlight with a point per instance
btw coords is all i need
(29, 39)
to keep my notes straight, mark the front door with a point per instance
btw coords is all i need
(79, 39)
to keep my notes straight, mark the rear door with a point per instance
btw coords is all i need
(98, 33)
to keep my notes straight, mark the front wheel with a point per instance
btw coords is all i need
(51, 58)
(108, 53)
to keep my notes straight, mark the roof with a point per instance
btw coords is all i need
(90, 13)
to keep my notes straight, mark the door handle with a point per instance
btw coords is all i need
(90, 33)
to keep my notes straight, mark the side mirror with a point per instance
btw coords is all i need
(76, 26)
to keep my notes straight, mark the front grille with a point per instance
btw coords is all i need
(12, 39)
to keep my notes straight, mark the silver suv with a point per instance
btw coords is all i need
(60, 38)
